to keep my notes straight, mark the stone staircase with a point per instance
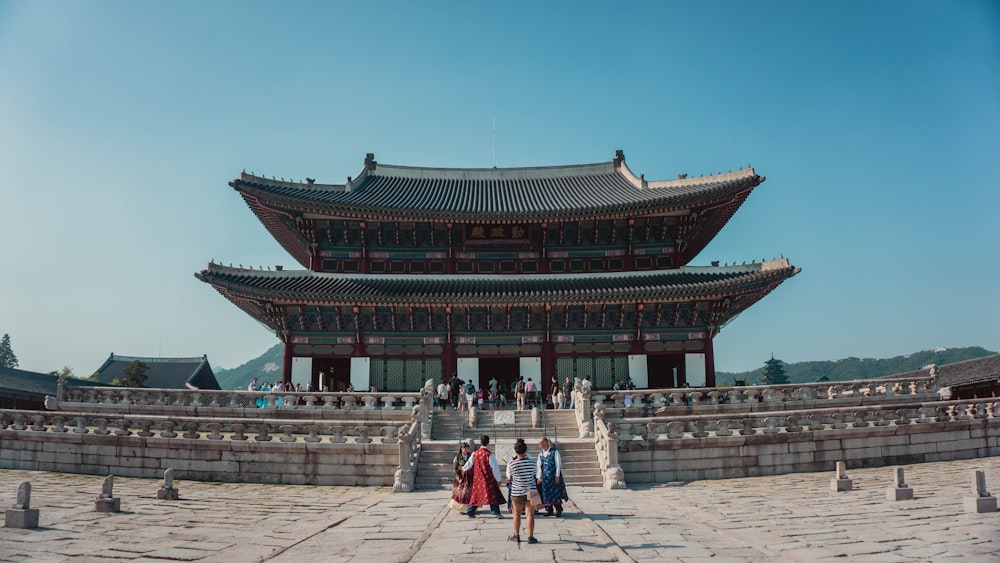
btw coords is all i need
(434, 470)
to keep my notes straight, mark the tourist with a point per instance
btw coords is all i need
(521, 475)
(462, 486)
(254, 386)
(485, 480)
(548, 472)
(493, 384)
(454, 389)
(587, 385)
(470, 394)
(442, 395)
(531, 390)
(567, 391)
(520, 389)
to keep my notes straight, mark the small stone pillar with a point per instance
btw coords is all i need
(980, 500)
(107, 501)
(168, 491)
(22, 515)
(841, 482)
(899, 490)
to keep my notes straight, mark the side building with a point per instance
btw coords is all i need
(551, 272)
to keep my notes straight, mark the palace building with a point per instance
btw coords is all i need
(417, 273)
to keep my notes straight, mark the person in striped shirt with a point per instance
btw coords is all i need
(521, 474)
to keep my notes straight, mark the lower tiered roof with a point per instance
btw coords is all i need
(315, 288)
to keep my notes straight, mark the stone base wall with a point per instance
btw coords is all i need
(297, 463)
(724, 457)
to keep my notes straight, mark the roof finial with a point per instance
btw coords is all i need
(619, 158)
(370, 162)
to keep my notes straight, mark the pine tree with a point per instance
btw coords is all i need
(134, 375)
(7, 357)
(774, 372)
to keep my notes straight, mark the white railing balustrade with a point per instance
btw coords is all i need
(784, 422)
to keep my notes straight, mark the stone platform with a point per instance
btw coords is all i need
(791, 517)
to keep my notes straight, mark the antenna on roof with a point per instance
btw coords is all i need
(494, 141)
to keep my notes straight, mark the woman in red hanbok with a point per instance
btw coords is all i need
(485, 480)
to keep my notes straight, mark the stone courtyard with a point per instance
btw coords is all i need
(791, 517)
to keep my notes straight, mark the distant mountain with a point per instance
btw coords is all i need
(858, 368)
(266, 367)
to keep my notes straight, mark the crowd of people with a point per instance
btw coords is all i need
(533, 484)
(523, 394)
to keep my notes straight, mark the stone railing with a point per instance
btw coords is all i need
(200, 402)
(788, 422)
(200, 428)
(859, 392)
(409, 456)
(606, 444)
(582, 408)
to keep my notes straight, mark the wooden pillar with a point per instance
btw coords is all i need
(709, 361)
(286, 360)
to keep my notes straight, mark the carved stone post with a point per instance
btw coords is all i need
(168, 491)
(841, 482)
(22, 515)
(899, 490)
(614, 476)
(404, 476)
(107, 501)
(980, 499)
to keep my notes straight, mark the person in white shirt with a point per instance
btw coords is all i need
(442, 395)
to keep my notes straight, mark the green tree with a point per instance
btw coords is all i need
(7, 357)
(65, 371)
(134, 375)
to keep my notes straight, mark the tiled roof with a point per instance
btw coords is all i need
(163, 373)
(307, 286)
(31, 382)
(962, 373)
(499, 194)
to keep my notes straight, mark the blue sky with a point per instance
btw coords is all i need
(877, 125)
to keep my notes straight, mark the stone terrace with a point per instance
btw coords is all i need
(787, 517)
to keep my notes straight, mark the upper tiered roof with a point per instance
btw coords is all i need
(587, 191)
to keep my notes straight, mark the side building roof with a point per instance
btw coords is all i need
(966, 372)
(32, 383)
(163, 373)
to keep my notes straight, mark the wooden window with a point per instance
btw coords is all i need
(487, 266)
(616, 264)
(508, 266)
(664, 262)
(329, 264)
(417, 267)
(436, 266)
(464, 266)
(397, 266)
(643, 263)
(529, 267)
(377, 266)
(557, 266)
(576, 266)
(350, 265)
(596, 264)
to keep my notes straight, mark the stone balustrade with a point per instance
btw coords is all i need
(793, 421)
(207, 429)
(639, 402)
(243, 403)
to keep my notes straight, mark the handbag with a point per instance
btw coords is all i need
(534, 498)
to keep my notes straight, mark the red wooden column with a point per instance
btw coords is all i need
(709, 361)
(286, 360)
(449, 361)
